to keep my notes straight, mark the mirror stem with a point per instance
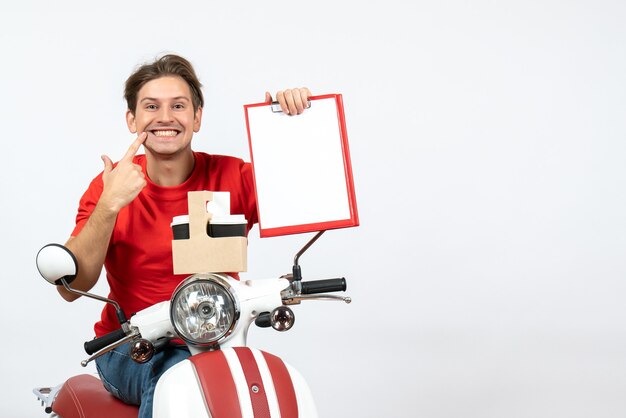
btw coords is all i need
(118, 311)
(297, 272)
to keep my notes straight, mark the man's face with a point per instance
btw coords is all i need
(165, 111)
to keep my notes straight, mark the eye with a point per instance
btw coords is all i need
(151, 107)
(179, 106)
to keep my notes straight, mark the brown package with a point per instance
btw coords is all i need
(202, 253)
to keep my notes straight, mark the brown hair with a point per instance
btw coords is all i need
(167, 65)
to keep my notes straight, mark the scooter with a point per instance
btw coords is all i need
(212, 314)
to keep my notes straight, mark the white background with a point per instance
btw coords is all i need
(488, 149)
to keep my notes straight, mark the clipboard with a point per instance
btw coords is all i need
(301, 167)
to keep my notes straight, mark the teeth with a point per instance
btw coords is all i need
(165, 133)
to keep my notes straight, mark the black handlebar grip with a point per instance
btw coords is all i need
(99, 343)
(324, 286)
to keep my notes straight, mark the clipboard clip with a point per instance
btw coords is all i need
(276, 107)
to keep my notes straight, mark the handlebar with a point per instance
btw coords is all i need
(99, 343)
(324, 286)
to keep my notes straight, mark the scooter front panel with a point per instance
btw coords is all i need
(218, 384)
(233, 383)
(273, 368)
(179, 394)
(249, 384)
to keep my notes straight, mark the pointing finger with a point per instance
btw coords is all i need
(134, 147)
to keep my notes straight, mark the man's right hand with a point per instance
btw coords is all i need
(123, 183)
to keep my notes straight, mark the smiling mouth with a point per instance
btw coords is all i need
(165, 133)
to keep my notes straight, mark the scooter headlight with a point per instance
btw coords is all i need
(203, 309)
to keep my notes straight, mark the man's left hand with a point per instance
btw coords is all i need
(292, 101)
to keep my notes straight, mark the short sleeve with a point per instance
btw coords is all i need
(87, 204)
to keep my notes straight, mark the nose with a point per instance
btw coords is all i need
(165, 114)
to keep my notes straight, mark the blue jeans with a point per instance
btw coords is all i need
(132, 382)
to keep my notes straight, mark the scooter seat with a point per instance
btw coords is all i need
(83, 396)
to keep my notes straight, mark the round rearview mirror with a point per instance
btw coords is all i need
(55, 262)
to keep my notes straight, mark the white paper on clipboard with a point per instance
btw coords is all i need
(302, 168)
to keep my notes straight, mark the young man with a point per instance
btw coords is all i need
(123, 220)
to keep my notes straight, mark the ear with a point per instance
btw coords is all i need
(130, 121)
(197, 120)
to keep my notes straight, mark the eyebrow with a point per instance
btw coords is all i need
(154, 99)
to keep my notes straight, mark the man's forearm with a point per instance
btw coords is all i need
(90, 248)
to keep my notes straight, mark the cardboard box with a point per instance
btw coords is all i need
(202, 253)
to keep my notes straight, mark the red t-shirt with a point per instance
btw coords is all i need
(139, 266)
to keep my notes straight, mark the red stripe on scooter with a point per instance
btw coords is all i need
(260, 406)
(283, 385)
(217, 384)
